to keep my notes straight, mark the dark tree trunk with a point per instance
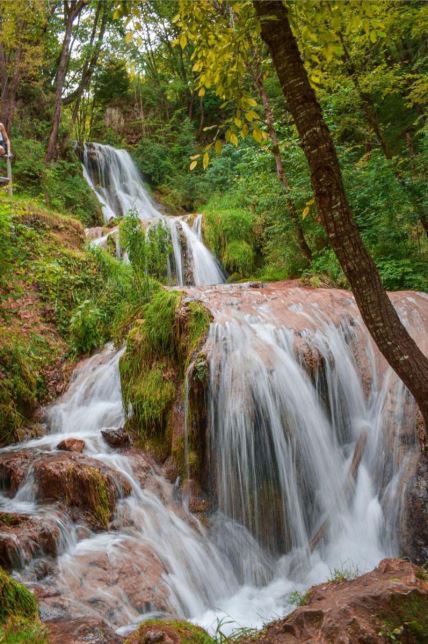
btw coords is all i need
(72, 8)
(92, 58)
(378, 313)
(280, 171)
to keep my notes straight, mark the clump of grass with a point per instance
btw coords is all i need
(344, 573)
(298, 599)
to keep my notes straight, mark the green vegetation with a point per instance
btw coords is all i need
(19, 618)
(58, 300)
(344, 573)
(160, 349)
(299, 599)
(186, 632)
(407, 619)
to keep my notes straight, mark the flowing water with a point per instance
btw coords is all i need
(281, 447)
(115, 179)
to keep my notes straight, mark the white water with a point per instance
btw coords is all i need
(115, 179)
(281, 448)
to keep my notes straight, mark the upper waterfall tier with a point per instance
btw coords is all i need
(114, 177)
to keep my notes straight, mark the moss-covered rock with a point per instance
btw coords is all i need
(162, 349)
(19, 617)
(169, 632)
(15, 599)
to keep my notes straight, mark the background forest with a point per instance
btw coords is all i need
(128, 82)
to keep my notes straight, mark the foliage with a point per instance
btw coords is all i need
(59, 186)
(60, 300)
(149, 250)
(84, 327)
(16, 600)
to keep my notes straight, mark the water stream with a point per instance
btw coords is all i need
(281, 446)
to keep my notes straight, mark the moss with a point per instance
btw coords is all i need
(179, 631)
(159, 317)
(152, 397)
(102, 502)
(159, 351)
(406, 618)
(239, 258)
(15, 600)
(23, 631)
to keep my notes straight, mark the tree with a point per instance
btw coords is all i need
(21, 28)
(72, 9)
(377, 311)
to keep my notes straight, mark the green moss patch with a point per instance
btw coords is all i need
(15, 600)
(179, 631)
(159, 350)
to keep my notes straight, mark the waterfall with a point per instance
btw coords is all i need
(114, 177)
(291, 505)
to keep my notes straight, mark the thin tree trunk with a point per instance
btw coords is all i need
(380, 316)
(71, 11)
(280, 171)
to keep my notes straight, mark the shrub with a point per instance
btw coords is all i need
(239, 258)
(86, 327)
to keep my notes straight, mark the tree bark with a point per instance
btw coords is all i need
(380, 316)
(71, 11)
(280, 171)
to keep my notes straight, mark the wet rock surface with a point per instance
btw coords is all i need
(388, 604)
(81, 631)
(85, 485)
(71, 445)
(14, 467)
(116, 437)
(23, 537)
(414, 527)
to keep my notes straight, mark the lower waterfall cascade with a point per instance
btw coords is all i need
(281, 446)
(116, 182)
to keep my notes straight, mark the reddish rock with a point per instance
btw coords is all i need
(71, 445)
(81, 631)
(23, 537)
(116, 437)
(14, 467)
(85, 485)
(388, 604)
(122, 580)
(414, 526)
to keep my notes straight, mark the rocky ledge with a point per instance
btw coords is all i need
(389, 604)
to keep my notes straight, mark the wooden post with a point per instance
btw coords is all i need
(9, 175)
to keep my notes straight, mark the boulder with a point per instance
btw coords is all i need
(14, 467)
(71, 445)
(169, 632)
(414, 525)
(23, 537)
(116, 437)
(81, 631)
(387, 604)
(89, 488)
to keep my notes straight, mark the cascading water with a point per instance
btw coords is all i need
(113, 176)
(282, 459)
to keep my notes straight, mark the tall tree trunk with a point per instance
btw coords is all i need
(71, 11)
(280, 171)
(380, 316)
